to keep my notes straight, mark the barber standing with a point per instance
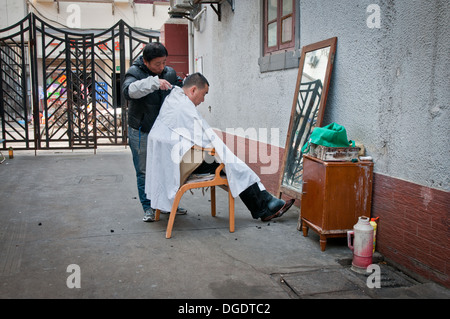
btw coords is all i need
(147, 83)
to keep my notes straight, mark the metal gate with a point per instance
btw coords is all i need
(61, 89)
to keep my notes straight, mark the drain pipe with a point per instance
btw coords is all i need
(191, 46)
(191, 30)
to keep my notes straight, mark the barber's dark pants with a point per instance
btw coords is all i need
(254, 199)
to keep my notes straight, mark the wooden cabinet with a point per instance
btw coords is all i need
(334, 195)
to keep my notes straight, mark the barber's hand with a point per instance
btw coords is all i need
(164, 85)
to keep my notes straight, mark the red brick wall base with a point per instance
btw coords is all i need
(413, 228)
(264, 159)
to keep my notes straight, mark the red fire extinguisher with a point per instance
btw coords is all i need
(362, 245)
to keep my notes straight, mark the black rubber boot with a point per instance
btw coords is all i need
(260, 203)
(255, 200)
(273, 204)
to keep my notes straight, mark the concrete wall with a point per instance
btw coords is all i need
(389, 86)
(12, 11)
(240, 95)
(86, 15)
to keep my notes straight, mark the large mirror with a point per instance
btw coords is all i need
(307, 112)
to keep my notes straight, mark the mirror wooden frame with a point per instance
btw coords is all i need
(283, 189)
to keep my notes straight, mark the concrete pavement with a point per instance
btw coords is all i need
(63, 208)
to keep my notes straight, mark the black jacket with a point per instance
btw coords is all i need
(142, 112)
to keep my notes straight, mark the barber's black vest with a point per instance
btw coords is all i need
(143, 112)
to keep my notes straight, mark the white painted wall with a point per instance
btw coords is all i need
(11, 11)
(92, 15)
(390, 85)
(240, 95)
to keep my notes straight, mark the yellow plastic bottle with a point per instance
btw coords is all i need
(373, 222)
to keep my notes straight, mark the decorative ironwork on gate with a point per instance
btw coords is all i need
(61, 89)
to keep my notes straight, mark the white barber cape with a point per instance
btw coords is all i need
(177, 128)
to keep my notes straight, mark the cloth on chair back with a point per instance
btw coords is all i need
(191, 160)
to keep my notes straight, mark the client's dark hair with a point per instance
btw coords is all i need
(154, 50)
(196, 79)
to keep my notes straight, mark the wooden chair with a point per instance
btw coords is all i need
(211, 181)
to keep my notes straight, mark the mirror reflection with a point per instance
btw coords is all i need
(307, 110)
